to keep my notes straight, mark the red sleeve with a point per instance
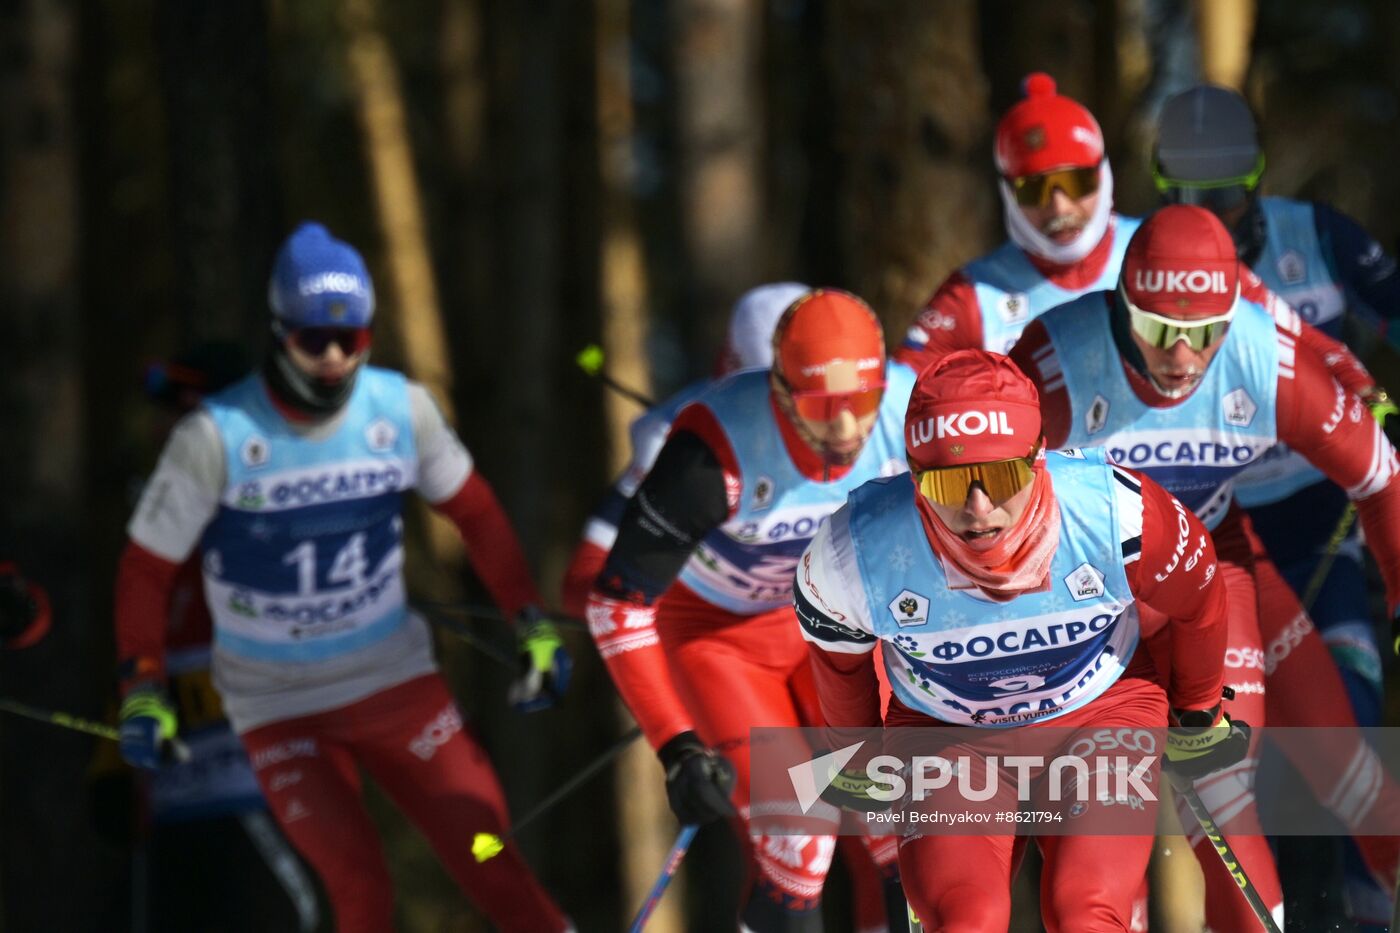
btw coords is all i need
(1037, 358)
(1176, 576)
(144, 584)
(1334, 430)
(847, 687)
(492, 546)
(1341, 362)
(584, 567)
(950, 321)
(625, 633)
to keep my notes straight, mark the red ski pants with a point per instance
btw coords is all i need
(410, 739)
(962, 884)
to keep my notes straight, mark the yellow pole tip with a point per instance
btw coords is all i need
(486, 846)
(590, 359)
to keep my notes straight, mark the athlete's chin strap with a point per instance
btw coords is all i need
(1025, 235)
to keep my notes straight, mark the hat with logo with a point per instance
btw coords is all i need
(319, 281)
(829, 341)
(972, 406)
(1046, 130)
(749, 341)
(1181, 263)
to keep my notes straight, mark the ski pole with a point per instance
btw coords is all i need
(62, 720)
(1187, 792)
(78, 724)
(1381, 408)
(668, 871)
(1329, 555)
(488, 845)
(1395, 917)
(590, 360)
(460, 629)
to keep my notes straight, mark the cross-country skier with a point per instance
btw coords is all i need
(290, 484)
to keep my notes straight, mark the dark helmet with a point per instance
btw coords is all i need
(1208, 154)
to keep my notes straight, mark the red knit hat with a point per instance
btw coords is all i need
(972, 406)
(1181, 263)
(1046, 131)
(829, 341)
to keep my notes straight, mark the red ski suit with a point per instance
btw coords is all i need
(1271, 638)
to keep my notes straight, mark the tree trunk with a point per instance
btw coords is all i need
(53, 870)
(1225, 29)
(225, 219)
(645, 822)
(720, 139)
(911, 105)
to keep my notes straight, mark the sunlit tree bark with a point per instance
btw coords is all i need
(644, 818)
(416, 316)
(715, 46)
(1225, 29)
(911, 102)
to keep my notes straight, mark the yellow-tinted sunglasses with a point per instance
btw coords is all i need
(999, 479)
(1039, 190)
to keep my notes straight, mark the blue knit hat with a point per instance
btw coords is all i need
(319, 281)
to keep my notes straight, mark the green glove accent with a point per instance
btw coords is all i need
(540, 640)
(150, 702)
(545, 666)
(1195, 750)
(1381, 405)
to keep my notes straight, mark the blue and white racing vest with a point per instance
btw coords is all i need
(746, 565)
(1012, 292)
(1296, 269)
(964, 659)
(304, 559)
(1194, 448)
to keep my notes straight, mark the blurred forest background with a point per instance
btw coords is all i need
(525, 177)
